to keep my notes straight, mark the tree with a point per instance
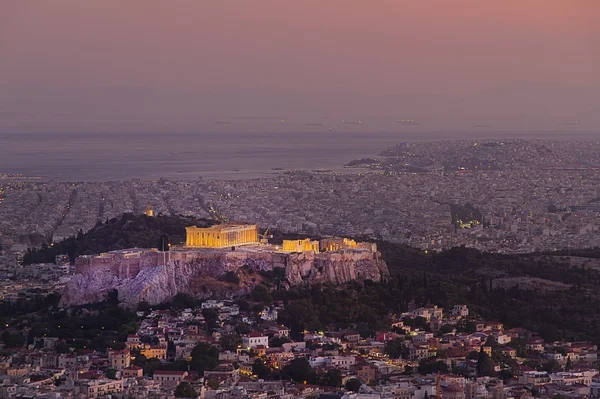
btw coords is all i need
(506, 375)
(213, 384)
(569, 365)
(62, 348)
(243, 328)
(261, 370)
(481, 356)
(124, 331)
(111, 374)
(549, 332)
(13, 340)
(353, 384)
(185, 390)
(143, 306)
(470, 327)
(485, 365)
(260, 293)
(298, 370)
(488, 368)
(231, 277)
(183, 300)
(432, 365)
(396, 348)
(204, 357)
(446, 328)
(276, 342)
(211, 318)
(551, 366)
(112, 297)
(332, 378)
(230, 342)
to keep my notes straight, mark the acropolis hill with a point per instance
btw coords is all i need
(150, 275)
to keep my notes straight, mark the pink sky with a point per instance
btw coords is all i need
(371, 46)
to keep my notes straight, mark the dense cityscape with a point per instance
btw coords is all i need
(300, 199)
(508, 197)
(218, 350)
(530, 196)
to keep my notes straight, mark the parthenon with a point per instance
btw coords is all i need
(221, 236)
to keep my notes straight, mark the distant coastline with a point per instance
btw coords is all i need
(223, 155)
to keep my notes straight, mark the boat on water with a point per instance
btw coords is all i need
(408, 122)
(569, 123)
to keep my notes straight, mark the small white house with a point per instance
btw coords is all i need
(255, 339)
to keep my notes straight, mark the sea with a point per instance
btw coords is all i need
(215, 155)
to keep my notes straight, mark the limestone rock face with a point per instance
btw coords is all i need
(89, 287)
(158, 281)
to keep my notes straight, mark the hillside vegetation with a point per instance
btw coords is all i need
(127, 231)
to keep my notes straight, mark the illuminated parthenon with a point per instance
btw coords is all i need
(221, 236)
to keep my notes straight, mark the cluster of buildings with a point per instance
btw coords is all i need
(448, 338)
(230, 235)
(25, 282)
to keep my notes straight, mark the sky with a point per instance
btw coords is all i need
(319, 52)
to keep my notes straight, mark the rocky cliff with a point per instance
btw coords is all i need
(189, 272)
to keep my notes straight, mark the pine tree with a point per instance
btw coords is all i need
(569, 365)
(480, 359)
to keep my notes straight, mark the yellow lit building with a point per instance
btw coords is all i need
(339, 244)
(159, 352)
(221, 236)
(336, 244)
(119, 359)
(149, 211)
(300, 245)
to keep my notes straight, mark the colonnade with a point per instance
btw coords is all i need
(221, 236)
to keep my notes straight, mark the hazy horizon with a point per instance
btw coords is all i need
(136, 66)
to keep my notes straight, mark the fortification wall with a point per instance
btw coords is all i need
(117, 264)
(149, 277)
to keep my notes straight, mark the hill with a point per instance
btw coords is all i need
(126, 231)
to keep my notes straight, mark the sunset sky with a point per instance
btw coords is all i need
(374, 47)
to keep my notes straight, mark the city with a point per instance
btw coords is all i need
(250, 344)
(539, 196)
(300, 199)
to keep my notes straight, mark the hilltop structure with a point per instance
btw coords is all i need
(147, 274)
(221, 236)
(329, 244)
(339, 244)
(300, 245)
(149, 210)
